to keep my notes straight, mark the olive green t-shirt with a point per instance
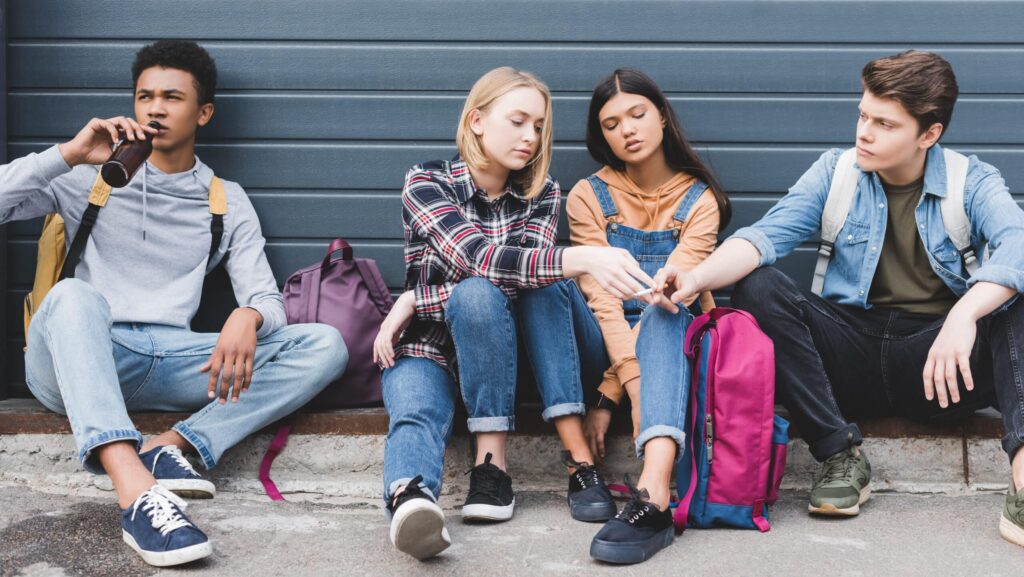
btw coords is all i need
(904, 278)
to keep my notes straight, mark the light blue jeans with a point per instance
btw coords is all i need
(81, 364)
(665, 375)
(566, 351)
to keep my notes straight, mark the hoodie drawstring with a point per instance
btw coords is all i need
(145, 169)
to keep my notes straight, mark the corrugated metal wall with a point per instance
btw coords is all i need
(323, 104)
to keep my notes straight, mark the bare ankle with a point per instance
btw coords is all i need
(167, 438)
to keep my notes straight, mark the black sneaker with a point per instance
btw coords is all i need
(490, 494)
(417, 522)
(635, 534)
(589, 498)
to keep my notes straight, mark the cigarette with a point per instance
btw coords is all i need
(648, 291)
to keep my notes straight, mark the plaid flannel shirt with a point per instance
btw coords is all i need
(453, 232)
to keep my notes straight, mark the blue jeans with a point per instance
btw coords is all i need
(562, 340)
(81, 364)
(665, 375)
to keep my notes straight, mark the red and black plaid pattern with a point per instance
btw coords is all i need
(453, 232)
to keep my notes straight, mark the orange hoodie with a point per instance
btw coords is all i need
(643, 211)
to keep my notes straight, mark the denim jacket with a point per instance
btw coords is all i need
(996, 222)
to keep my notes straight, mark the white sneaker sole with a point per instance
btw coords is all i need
(478, 512)
(831, 510)
(1010, 531)
(169, 558)
(189, 488)
(417, 529)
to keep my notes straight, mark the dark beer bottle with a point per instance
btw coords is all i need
(126, 159)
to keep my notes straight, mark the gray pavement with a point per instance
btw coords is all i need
(43, 534)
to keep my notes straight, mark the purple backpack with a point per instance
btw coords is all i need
(736, 447)
(350, 295)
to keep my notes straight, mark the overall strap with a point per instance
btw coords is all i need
(689, 199)
(97, 199)
(603, 196)
(837, 207)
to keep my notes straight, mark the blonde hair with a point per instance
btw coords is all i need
(491, 86)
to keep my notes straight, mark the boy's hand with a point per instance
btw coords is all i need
(671, 287)
(232, 358)
(94, 143)
(950, 352)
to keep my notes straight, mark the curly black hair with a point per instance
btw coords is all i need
(179, 55)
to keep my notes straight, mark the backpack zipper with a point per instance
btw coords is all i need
(709, 435)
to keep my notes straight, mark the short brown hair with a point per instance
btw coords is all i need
(923, 82)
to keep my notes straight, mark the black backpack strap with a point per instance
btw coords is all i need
(97, 199)
(78, 244)
(218, 208)
(216, 233)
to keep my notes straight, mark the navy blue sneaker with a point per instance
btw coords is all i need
(157, 528)
(173, 471)
(638, 532)
(589, 498)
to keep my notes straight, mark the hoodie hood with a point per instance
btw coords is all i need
(646, 210)
(193, 183)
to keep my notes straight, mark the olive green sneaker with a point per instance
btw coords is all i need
(842, 486)
(1011, 522)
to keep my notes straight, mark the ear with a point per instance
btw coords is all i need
(205, 114)
(661, 115)
(476, 123)
(929, 137)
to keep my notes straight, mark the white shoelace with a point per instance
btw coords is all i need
(159, 505)
(175, 454)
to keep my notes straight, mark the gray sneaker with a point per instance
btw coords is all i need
(842, 486)
(1011, 522)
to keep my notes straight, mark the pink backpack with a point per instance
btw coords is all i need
(736, 446)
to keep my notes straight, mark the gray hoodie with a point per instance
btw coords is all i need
(149, 249)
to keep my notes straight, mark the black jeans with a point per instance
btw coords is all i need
(834, 362)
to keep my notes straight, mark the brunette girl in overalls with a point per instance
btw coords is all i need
(657, 200)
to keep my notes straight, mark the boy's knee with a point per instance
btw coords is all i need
(327, 348)
(760, 286)
(74, 297)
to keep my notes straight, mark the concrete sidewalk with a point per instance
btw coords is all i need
(897, 534)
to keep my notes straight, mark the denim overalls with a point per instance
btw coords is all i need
(650, 248)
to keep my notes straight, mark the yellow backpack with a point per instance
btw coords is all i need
(54, 265)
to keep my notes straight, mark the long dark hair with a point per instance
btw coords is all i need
(678, 152)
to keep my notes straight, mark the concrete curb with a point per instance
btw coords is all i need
(345, 467)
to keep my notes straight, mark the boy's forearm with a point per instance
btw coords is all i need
(731, 262)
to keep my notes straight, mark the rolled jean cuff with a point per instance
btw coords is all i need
(204, 453)
(661, 431)
(1012, 443)
(90, 461)
(491, 424)
(563, 410)
(836, 442)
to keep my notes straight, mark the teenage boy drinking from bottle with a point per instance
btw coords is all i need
(116, 337)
